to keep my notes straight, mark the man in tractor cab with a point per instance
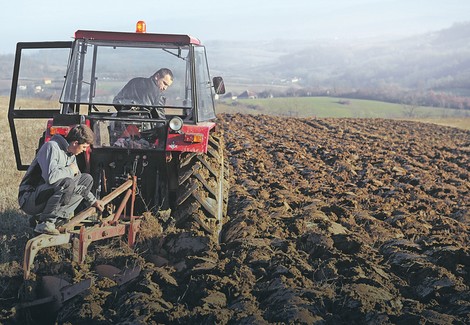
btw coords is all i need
(53, 186)
(146, 91)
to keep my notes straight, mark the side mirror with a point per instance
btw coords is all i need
(219, 85)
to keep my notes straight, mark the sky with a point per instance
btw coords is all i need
(57, 20)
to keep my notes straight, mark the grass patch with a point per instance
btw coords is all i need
(323, 107)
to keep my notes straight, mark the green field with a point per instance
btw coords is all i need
(333, 107)
(340, 107)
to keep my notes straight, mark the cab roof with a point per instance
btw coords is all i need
(137, 37)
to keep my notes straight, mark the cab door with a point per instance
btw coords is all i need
(38, 77)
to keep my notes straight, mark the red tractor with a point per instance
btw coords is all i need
(140, 161)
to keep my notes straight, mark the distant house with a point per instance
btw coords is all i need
(248, 94)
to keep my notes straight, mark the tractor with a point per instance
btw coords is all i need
(140, 161)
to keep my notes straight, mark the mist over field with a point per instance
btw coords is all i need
(231, 21)
(438, 61)
(431, 69)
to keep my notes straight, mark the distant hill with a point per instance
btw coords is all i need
(437, 61)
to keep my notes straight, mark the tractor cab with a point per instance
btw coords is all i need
(75, 82)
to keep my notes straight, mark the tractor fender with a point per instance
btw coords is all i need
(191, 138)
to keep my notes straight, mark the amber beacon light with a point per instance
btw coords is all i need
(140, 27)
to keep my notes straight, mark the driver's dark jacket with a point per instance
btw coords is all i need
(141, 91)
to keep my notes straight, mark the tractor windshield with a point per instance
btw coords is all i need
(99, 70)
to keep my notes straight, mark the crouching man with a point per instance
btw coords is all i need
(53, 186)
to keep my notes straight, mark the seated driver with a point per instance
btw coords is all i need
(146, 91)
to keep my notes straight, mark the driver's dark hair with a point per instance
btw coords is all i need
(163, 72)
(81, 133)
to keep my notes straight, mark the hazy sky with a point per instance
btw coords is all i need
(57, 20)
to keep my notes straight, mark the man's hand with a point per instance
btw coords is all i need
(99, 205)
(74, 168)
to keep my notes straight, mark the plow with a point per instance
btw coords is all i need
(80, 231)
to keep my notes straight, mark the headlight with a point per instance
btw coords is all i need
(176, 123)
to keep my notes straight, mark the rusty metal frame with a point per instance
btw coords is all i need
(82, 238)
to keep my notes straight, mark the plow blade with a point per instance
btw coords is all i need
(56, 291)
(119, 276)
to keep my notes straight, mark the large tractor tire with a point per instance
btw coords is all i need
(202, 195)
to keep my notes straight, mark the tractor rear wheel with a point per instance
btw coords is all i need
(202, 195)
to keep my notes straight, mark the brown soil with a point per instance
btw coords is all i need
(332, 221)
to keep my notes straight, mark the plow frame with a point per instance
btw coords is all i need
(113, 226)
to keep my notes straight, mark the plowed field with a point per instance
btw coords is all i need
(332, 221)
